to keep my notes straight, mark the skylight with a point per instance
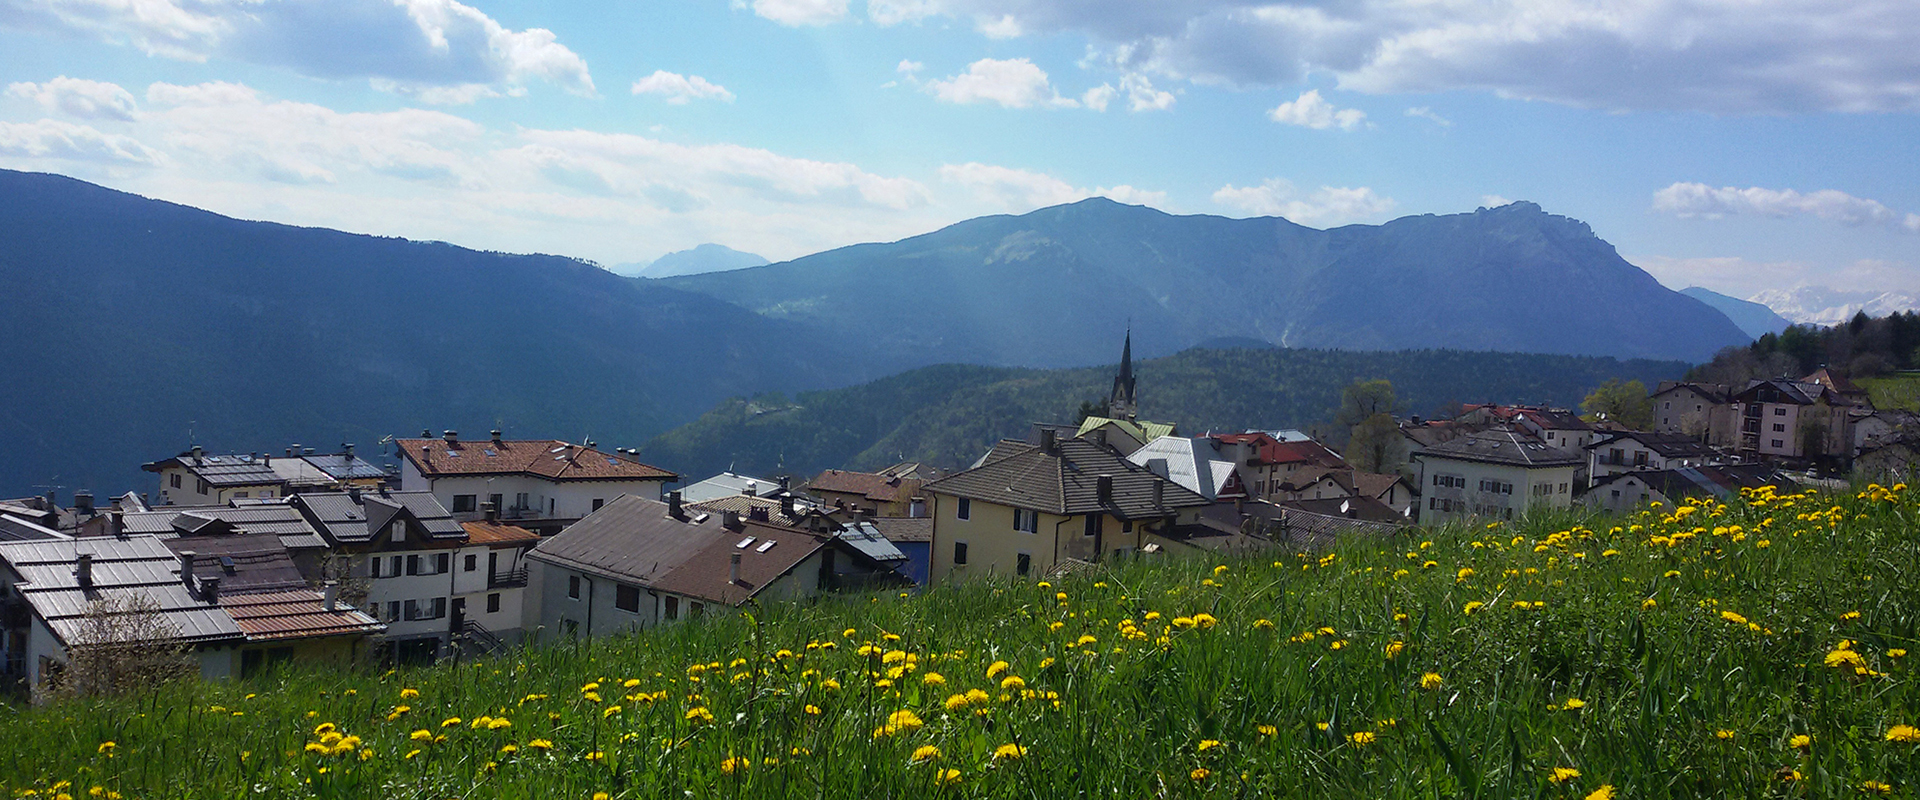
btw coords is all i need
(765, 546)
(743, 543)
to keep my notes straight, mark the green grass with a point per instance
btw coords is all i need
(1897, 391)
(1310, 683)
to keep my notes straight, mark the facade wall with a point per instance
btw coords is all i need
(1684, 412)
(1441, 502)
(1621, 496)
(544, 499)
(995, 547)
(189, 491)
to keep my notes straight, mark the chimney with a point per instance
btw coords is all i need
(496, 436)
(674, 509)
(1415, 419)
(450, 436)
(353, 493)
(731, 519)
(490, 511)
(296, 449)
(210, 591)
(53, 500)
(306, 451)
(786, 505)
(1104, 484)
(197, 451)
(331, 598)
(1159, 494)
(346, 449)
(186, 568)
(116, 525)
(786, 483)
(757, 513)
(426, 433)
(1046, 441)
(733, 568)
(753, 489)
(289, 452)
(83, 502)
(83, 569)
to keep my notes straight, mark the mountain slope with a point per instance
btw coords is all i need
(1819, 305)
(1754, 319)
(1056, 287)
(131, 328)
(948, 415)
(702, 259)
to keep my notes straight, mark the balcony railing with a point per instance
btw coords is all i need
(507, 580)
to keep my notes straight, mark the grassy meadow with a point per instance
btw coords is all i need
(1756, 649)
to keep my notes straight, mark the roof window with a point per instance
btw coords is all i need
(765, 546)
(744, 543)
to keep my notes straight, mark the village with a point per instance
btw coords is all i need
(470, 546)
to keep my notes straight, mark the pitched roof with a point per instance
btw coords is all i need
(867, 538)
(1668, 445)
(1711, 392)
(1268, 450)
(224, 470)
(1374, 484)
(1193, 462)
(1066, 482)
(745, 506)
(1716, 481)
(326, 470)
(1828, 378)
(1141, 431)
(495, 534)
(122, 568)
(1503, 447)
(279, 519)
(245, 563)
(726, 484)
(294, 614)
(632, 539)
(357, 517)
(766, 553)
(1357, 508)
(551, 459)
(17, 529)
(878, 488)
(905, 529)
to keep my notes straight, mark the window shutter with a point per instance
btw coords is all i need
(373, 567)
(413, 565)
(439, 607)
(413, 609)
(441, 563)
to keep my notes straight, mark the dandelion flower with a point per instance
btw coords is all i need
(1267, 730)
(409, 694)
(1723, 734)
(1903, 733)
(1875, 787)
(1200, 774)
(1605, 792)
(1431, 681)
(1573, 704)
(1012, 682)
(540, 744)
(933, 679)
(1363, 738)
(1207, 744)
(1800, 741)
(1471, 607)
(1009, 751)
(949, 776)
(997, 667)
(1563, 774)
(926, 752)
(106, 748)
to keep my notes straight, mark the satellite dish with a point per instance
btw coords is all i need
(1345, 506)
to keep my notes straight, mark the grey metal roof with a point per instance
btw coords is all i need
(632, 539)
(1503, 447)
(726, 484)
(280, 520)
(257, 563)
(1066, 482)
(131, 566)
(341, 518)
(345, 467)
(16, 529)
(230, 470)
(1668, 445)
(867, 538)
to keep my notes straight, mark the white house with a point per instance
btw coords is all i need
(540, 484)
(1495, 473)
(1629, 451)
(196, 479)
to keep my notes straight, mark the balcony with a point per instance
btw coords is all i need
(511, 579)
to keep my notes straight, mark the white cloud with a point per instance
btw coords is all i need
(1012, 83)
(1721, 56)
(1745, 277)
(67, 141)
(1019, 190)
(1493, 201)
(1098, 97)
(1141, 96)
(893, 12)
(678, 89)
(1700, 200)
(437, 50)
(1330, 205)
(1004, 26)
(1428, 114)
(79, 98)
(1310, 110)
(909, 67)
(1911, 223)
(794, 13)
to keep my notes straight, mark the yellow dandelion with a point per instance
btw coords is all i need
(1471, 607)
(949, 777)
(1363, 738)
(1207, 744)
(1266, 730)
(1723, 735)
(1903, 733)
(1876, 787)
(1200, 774)
(1605, 792)
(997, 667)
(1563, 774)
(409, 694)
(1009, 751)
(925, 752)
(1431, 681)
(1800, 741)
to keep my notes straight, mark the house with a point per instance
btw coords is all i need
(728, 484)
(1629, 451)
(883, 495)
(195, 478)
(1625, 491)
(279, 519)
(429, 577)
(1124, 435)
(540, 484)
(1888, 460)
(65, 594)
(1555, 427)
(1500, 473)
(638, 563)
(1195, 463)
(913, 537)
(306, 471)
(1268, 465)
(1694, 410)
(1028, 508)
(1792, 420)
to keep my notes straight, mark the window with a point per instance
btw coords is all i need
(520, 501)
(463, 503)
(1093, 525)
(573, 586)
(413, 565)
(598, 502)
(176, 480)
(1779, 411)
(959, 554)
(393, 611)
(626, 598)
(1667, 405)
(1616, 456)
(496, 500)
(1024, 520)
(373, 567)
(1779, 443)
(470, 563)
(1563, 488)
(244, 494)
(395, 567)
(1779, 428)
(1616, 494)
(697, 609)
(442, 563)
(964, 510)
(1022, 564)
(673, 607)
(1640, 458)
(203, 487)
(493, 603)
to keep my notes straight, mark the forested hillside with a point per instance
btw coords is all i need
(949, 415)
(1864, 347)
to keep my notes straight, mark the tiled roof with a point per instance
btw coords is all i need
(1365, 509)
(744, 506)
(551, 459)
(123, 567)
(494, 534)
(1668, 445)
(1711, 392)
(1503, 447)
(1373, 484)
(1140, 430)
(1268, 450)
(344, 520)
(224, 470)
(878, 488)
(295, 614)
(631, 539)
(905, 529)
(1066, 482)
(773, 551)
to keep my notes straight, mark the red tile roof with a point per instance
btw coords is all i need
(878, 488)
(494, 533)
(1272, 451)
(546, 458)
(297, 614)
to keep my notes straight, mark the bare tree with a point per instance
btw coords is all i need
(123, 644)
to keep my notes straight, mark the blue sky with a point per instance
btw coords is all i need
(1741, 145)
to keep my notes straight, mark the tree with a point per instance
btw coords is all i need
(1361, 400)
(123, 644)
(1625, 403)
(1377, 445)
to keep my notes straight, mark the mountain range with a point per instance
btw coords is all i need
(700, 259)
(1754, 319)
(1819, 305)
(131, 328)
(1058, 286)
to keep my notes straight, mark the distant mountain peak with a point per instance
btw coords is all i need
(698, 260)
(1820, 305)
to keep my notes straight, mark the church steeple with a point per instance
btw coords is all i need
(1121, 403)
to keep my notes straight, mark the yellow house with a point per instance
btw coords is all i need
(1028, 507)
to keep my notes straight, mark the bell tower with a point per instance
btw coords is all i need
(1121, 404)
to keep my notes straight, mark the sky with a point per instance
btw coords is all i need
(1739, 145)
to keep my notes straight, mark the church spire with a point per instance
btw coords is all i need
(1121, 404)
